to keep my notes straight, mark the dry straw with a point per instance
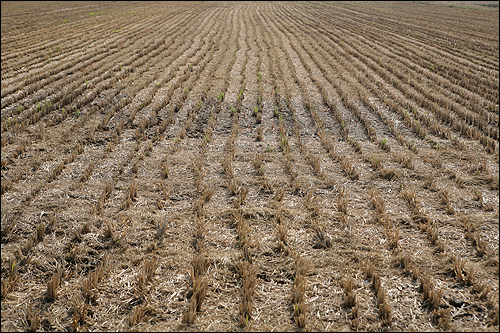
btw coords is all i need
(349, 297)
(54, 284)
(33, 317)
(298, 293)
(247, 274)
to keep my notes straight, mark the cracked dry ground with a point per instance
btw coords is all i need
(249, 166)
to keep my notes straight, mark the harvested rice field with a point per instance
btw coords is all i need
(232, 166)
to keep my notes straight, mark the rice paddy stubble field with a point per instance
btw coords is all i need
(218, 166)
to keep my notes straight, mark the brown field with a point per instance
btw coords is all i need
(217, 166)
